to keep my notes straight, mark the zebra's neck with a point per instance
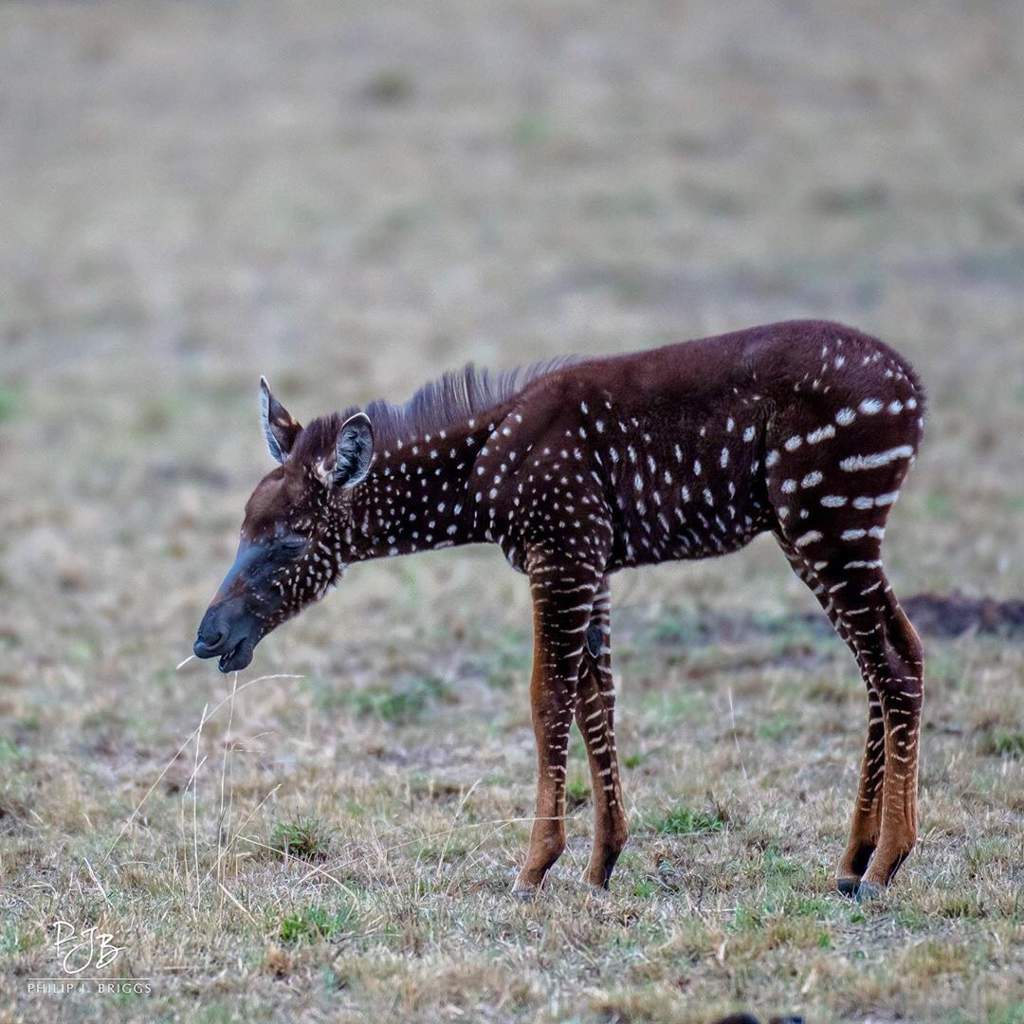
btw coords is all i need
(419, 495)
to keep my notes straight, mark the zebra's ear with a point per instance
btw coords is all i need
(279, 429)
(353, 454)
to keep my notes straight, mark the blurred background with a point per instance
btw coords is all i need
(351, 197)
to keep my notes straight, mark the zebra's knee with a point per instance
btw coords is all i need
(900, 686)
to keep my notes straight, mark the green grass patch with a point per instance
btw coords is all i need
(316, 924)
(685, 821)
(406, 701)
(814, 907)
(776, 727)
(645, 888)
(776, 867)
(1013, 1013)
(1002, 743)
(577, 793)
(10, 941)
(14, 940)
(8, 750)
(914, 919)
(681, 629)
(306, 838)
(961, 907)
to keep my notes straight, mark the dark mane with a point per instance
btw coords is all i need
(453, 398)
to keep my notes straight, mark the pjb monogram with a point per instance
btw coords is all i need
(80, 950)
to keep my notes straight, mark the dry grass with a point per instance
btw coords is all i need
(347, 202)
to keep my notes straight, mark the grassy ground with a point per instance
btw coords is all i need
(349, 198)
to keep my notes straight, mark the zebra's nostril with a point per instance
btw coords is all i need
(209, 641)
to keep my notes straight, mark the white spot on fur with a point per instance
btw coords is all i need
(821, 434)
(808, 538)
(876, 459)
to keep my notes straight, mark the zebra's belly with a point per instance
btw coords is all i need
(683, 534)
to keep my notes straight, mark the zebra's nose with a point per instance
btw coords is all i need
(211, 636)
(207, 648)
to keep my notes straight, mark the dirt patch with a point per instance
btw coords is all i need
(957, 614)
(936, 615)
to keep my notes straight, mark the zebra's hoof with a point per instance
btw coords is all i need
(868, 892)
(847, 885)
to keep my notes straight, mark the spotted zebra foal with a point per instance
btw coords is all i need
(579, 468)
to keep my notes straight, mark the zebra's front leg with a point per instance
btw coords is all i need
(562, 602)
(595, 717)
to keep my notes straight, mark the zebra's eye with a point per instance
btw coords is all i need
(293, 545)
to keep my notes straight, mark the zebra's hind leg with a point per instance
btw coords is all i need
(595, 718)
(900, 661)
(867, 812)
(866, 821)
(855, 593)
